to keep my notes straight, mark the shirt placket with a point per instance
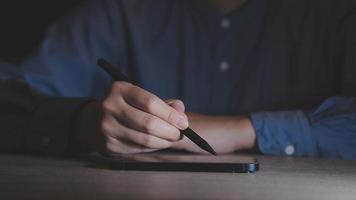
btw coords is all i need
(222, 67)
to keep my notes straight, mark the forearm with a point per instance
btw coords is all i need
(34, 123)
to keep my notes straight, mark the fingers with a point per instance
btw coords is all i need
(114, 129)
(150, 103)
(147, 123)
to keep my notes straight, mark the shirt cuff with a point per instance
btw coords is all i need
(287, 133)
(52, 125)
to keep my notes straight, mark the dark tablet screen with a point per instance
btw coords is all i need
(191, 163)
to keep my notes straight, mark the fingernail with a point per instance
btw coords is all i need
(183, 123)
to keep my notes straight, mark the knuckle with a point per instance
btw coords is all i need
(112, 106)
(118, 85)
(150, 101)
(108, 106)
(171, 116)
(149, 124)
(105, 126)
(148, 142)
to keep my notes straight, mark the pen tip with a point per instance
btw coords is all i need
(211, 150)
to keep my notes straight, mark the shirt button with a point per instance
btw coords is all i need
(224, 66)
(289, 150)
(225, 23)
(46, 140)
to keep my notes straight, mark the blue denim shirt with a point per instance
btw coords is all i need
(290, 65)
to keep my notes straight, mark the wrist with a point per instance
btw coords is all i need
(246, 136)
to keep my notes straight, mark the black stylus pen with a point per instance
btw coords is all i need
(189, 133)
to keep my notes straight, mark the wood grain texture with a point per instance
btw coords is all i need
(38, 177)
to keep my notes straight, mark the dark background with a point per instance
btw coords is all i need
(23, 24)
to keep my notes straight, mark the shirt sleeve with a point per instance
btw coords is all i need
(35, 123)
(328, 131)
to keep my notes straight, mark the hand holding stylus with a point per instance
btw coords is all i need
(188, 132)
(135, 121)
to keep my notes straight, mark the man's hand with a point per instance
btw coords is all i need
(131, 120)
(224, 134)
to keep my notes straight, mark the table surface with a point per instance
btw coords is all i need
(40, 177)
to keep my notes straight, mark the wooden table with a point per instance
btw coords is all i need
(38, 177)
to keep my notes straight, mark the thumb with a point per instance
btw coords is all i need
(176, 104)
